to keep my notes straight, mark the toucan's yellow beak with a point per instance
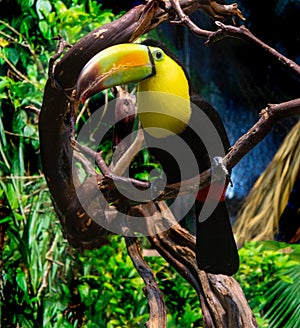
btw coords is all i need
(116, 65)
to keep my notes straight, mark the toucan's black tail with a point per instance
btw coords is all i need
(215, 245)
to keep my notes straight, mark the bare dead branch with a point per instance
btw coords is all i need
(62, 45)
(243, 33)
(184, 19)
(230, 31)
(269, 116)
(49, 258)
(129, 154)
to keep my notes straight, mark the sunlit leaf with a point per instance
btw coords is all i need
(3, 43)
(21, 281)
(43, 8)
(45, 29)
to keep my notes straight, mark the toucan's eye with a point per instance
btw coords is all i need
(158, 54)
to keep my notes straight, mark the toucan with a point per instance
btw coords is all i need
(183, 131)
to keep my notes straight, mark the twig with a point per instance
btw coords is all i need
(108, 176)
(20, 135)
(20, 75)
(184, 19)
(33, 109)
(83, 109)
(62, 45)
(14, 177)
(268, 118)
(231, 31)
(25, 44)
(104, 110)
(49, 258)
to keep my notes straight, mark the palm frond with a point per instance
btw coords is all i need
(259, 216)
(283, 300)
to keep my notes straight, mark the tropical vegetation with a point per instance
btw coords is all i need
(43, 281)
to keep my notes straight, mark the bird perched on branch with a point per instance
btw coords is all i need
(183, 132)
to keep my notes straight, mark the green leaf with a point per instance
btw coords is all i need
(4, 82)
(6, 219)
(21, 281)
(43, 8)
(12, 197)
(19, 121)
(26, 4)
(45, 29)
(114, 323)
(286, 279)
(66, 290)
(84, 290)
(284, 300)
(30, 130)
(26, 25)
(12, 54)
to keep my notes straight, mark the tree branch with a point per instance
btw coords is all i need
(158, 318)
(222, 301)
(243, 33)
(231, 31)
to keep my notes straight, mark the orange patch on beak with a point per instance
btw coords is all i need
(133, 59)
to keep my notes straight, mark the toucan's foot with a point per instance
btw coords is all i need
(219, 169)
(158, 183)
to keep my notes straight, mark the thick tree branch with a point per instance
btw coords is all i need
(222, 301)
(269, 116)
(158, 318)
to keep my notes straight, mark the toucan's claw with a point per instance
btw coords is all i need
(219, 169)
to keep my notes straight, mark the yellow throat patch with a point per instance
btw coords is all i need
(163, 100)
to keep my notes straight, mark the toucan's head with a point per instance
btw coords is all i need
(155, 72)
(129, 63)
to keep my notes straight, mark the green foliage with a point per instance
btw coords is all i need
(181, 299)
(283, 300)
(269, 277)
(55, 17)
(110, 290)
